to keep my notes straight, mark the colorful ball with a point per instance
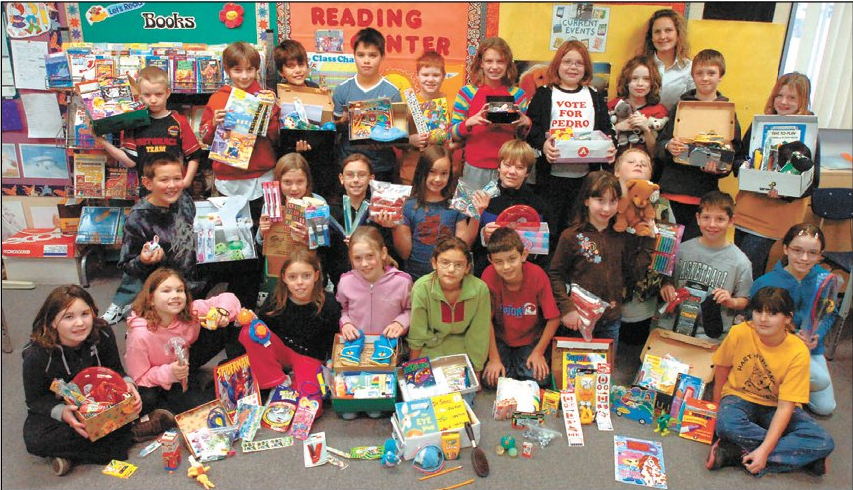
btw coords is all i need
(508, 442)
(513, 452)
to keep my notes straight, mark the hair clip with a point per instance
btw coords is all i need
(806, 233)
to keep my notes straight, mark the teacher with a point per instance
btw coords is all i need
(666, 43)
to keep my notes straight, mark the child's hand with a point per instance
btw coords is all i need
(711, 167)
(325, 90)
(419, 141)
(639, 121)
(267, 92)
(180, 372)
(773, 193)
(264, 225)
(676, 146)
(223, 321)
(756, 460)
(137, 400)
(148, 257)
(494, 369)
(299, 232)
(350, 332)
(811, 342)
(572, 320)
(722, 297)
(385, 219)
(219, 116)
(302, 146)
(393, 330)
(488, 230)
(550, 149)
(69, 418)
(478, 119)
(667, 293)
(536, 362)
(481, 201)
(522, 123)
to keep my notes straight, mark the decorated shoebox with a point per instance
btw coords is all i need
(112, 105)
(41, 255)
(109, 420)
(447, 374)
(690, 350)
(365, 390)
(414, 440)
(502, 109)
(708, 129)
(223, 241)
(208, 415)
(318, 104)
(569, 354)
(575, 150)
(535, 241)
(371, 122)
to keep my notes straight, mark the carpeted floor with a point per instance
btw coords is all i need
(554, 466)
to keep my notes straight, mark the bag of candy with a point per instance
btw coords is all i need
(385, 196)
(590, 308)
(462, 199)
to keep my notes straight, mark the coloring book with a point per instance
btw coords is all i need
(639, 462)
(234, 381)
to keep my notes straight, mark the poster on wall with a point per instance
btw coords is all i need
(43, 162)
(27, 19)
(11, 168)
(582, 22)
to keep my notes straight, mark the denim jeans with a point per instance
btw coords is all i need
(514, 360)
(756, 249)
(602, 330)
(822, 397)
(127, 290)
(745, 424)
(477, 177)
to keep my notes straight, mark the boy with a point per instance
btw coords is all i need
(684, 184)
(369, 49)
(168, 132)
(291, 63)
(522, 301)
(712, 268)
(165, 217)
(516, 158)
(760, 380)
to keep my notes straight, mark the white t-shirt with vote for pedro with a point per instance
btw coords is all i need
(571, 109)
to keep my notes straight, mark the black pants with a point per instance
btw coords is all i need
(48, 437)
(561, 195)
(685, 214)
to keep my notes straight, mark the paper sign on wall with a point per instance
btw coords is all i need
(583, 22)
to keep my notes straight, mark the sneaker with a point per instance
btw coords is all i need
(60, 466)
(115, 313)
(723, 453)
(349, 415)
(375, 415)
(157, 422)
(818, 467)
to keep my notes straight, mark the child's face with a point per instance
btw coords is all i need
(803, 253)
(169, 297)
(367, 260)
(74, 324)
(494, 66)
(769, 325)
(571, 69)
(640, 83)
(299, 279)
(154, 95)
(438, 176)
(294, 73)
(166, 186)
(242, 75)
(430, 78)
(664, 35)
(509, 265)
(601, 209)
(512, 174)
(787, 101)
(356, 178)
(707, 79)
(294, 184)
(714, 223)
(451, 266)
(634, 165)
(367, 59)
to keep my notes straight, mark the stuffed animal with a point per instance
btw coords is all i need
(623, 110)
(636, 213)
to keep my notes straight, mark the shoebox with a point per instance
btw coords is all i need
(442, 384)
(365, 115)
(41, 255)
(413, 441)
(569, 354)
(206, 415)
(694, 118)
(593, 150)
(365, 363)
(213, 243)
(502, 109)
(535, 241)
(693, 351)
(109, 420)
(365, 390)
(318, 104)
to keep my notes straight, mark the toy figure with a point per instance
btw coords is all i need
(635, 212)
(199, 472)
(623, 110)
(391, 456)
(211, 319)
(663, 424)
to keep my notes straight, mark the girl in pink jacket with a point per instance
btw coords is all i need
(375, 297)
(164, 321)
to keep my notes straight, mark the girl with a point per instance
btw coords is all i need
(568, 85)
(639, 85)
(451, 309)
(164, 309)
(666, 43)
(761, 219)
(800, 274)
(492, 73)
(303, 319)
(427, 217)
(67, 337)
(593, 256)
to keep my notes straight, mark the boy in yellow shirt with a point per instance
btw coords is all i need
(761, 378)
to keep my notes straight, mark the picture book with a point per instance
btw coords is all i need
(129, 65)
(574, 360)
(280, 408)
(209, 74)
(639, 462)
(234, 381)
(247, 118)
(416, 418)
(98, 225)
(115, 186)
(82, 66)
(184, 75)
(418, 372)
(436, 115)
(58, 70)
(698, 419)
(660, 373)
(687, 386)
(161, 62)
(105, 68)
(368, 114)
(89, 174)
(450, 411)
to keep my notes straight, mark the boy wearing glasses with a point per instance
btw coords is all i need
(524, 313)
(712, 268)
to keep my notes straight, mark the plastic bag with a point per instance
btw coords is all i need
(462, 199)
(385, 196)
(590, 308)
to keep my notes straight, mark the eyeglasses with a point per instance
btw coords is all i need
(354, 175)
(812, 254)
(445, 264)
(572, 64)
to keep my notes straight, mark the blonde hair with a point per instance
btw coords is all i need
(371, 236)
(517, 150)
(478, 76)
(624, 156)
(153, 75)
(801, 85)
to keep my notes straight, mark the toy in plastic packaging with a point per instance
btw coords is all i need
(389, 197)
(272, 200)
(177, 347)
(463, 197)
(249, 415)
(280, 408)
(314, 450)
(119, 469)
(590, 308)
(304, 418)
(317, 221)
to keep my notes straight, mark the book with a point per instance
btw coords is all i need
(115, 186)
(416, 418)
(418, 373)
(450, 411)
(89, 175)
(58, 70)
(129, 65)
(575, 360)
(185, 77)
(209, 74)
(639, 462)
(234, 381)
(698, 419)
(105, 68)
(660, 373)
(99, 225)
(247, 118)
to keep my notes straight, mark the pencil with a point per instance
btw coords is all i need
(451, 487)
(439, 473)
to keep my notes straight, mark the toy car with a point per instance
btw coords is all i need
(634, 404)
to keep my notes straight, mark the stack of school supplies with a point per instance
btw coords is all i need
(666, 248)
(247, 117)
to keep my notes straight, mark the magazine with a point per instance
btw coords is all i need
(89, 175)
(99, 225)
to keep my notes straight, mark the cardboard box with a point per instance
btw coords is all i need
(410, 446)
(502, 109)
(309, 97)
(690, 350)
(348, 403)
(771, 131)
(278, 244)
(69, 210)
(693, 118)
(196, 418)
(788, 185)
(561, 345)
(364, 361)
(584, 151)
(109, 420)
(206, 211)
(437, 364)
(399, 119)
(41, 255)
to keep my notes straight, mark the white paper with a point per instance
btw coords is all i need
(45, 216)
(13, 218)
(43, 117)
(7, 76)
(28, 64)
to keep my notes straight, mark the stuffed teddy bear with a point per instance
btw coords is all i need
(635, 212)
(622, 111)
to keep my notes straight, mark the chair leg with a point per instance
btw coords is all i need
(837, 329)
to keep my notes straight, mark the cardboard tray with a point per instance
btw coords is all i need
(308, 96)
(762, 181)
(109, 420)
(364, 360)
(691, 350)
(439, 362)
(584, 151)
(195, 419)
(559, 345)
(694, 117)
(410, 446)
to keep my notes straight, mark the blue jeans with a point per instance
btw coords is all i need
(602, 330)
(514, 360)
(127, 290)
(745, 424)
(821, 398)
(756, 249)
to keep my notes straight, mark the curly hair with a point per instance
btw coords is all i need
(44, 334)
(654, 78)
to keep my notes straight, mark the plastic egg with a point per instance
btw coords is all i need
(513, 452)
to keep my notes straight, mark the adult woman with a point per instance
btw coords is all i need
(666, 42)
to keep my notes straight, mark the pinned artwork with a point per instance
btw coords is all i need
(27, 19)
(43, 162)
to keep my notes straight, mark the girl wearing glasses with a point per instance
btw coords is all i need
(800, 273)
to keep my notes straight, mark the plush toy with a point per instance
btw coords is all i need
(622, 111)
(636, 212)
(199, 472)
